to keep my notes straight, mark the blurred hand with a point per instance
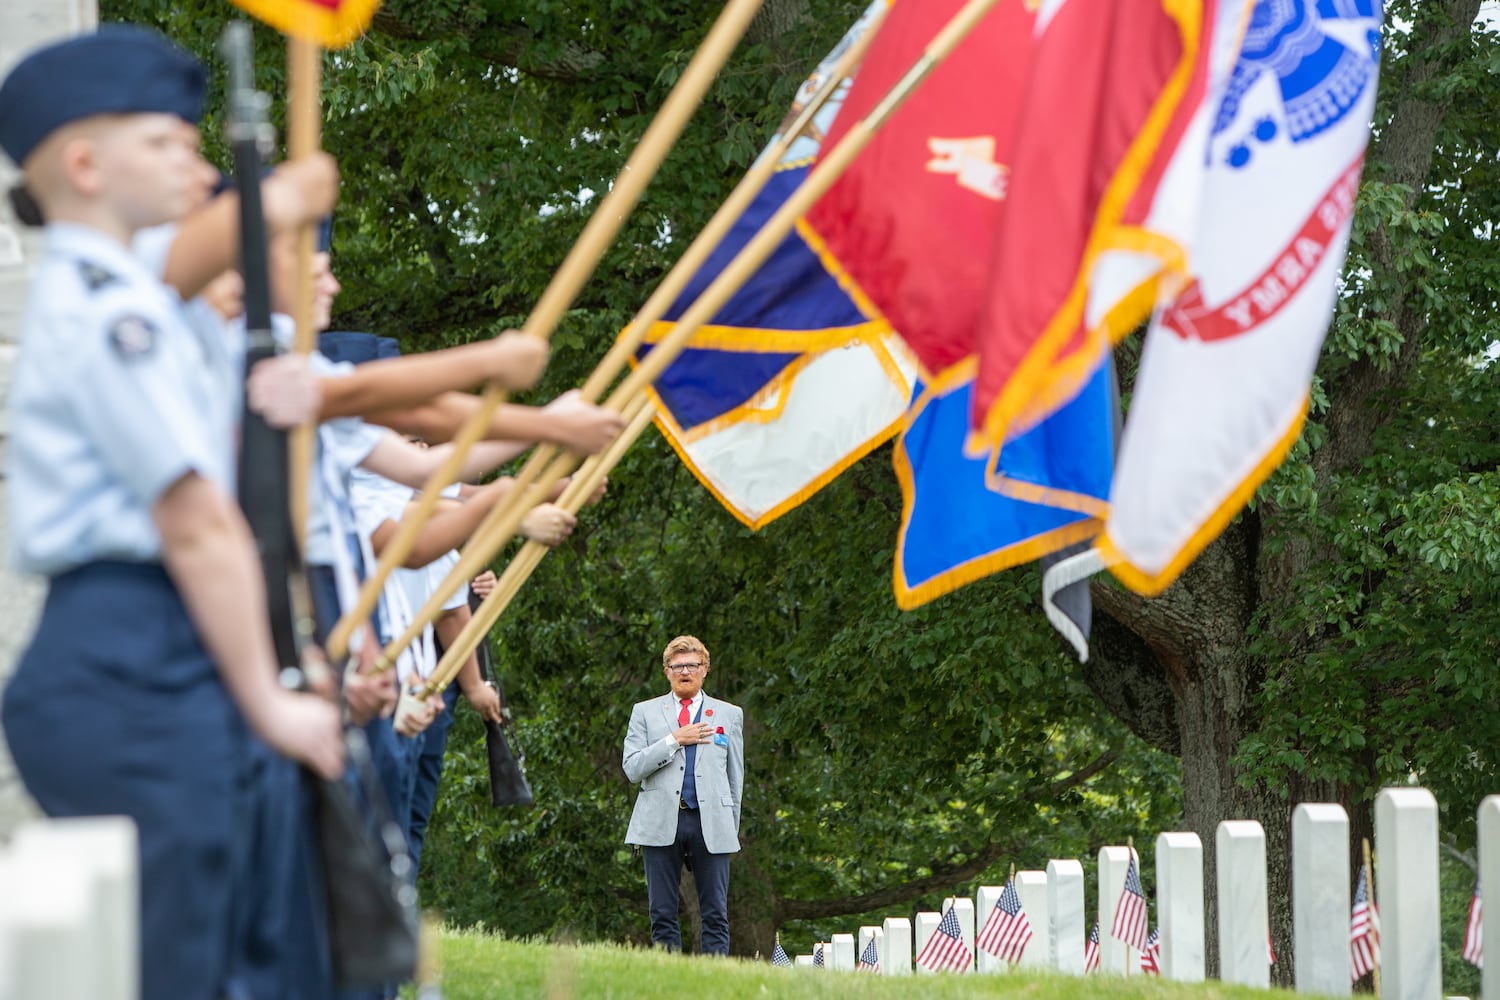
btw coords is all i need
(548, 523)
(516, 360)
(300, 191)
(486, 701)
(580, 427)
(305, 728)
(484, 584)
(414, 715)
(284, 391)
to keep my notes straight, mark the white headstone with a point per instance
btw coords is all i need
(1065, 916)
(1244, 925)
(1406, 893)
(985, 898)
(866, 934)
(1179, 906)
(105, 850)
(1115, 956)
(895, 945)
(1031, 886)
(1320, 897)
(803, 960)
(963, 909)
(1489, 875)
(842, 947)
(927, 923)
(48, 919)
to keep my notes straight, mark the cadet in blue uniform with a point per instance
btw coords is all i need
(153, 651)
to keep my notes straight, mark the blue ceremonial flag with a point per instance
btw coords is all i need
(965, 518)
(799, 375)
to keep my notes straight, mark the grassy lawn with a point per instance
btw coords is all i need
(483, 967)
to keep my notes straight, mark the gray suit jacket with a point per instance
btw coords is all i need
(655, 763)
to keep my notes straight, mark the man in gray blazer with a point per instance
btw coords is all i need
(686, 751)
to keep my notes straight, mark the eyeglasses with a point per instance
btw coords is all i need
(686, 668)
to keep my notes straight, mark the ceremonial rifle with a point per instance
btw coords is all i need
(264, 478)
(371, 903)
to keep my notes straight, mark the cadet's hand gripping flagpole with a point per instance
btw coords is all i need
(501, 523)
(601, 229)
(734, 275)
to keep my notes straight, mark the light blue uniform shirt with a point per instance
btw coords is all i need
(377, 500)
(342, 444)
(114, 398)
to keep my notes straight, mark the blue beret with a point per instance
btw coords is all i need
(356, 348)
(118, 70)
(389, 347)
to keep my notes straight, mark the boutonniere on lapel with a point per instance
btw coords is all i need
(710, 713)
(720, 738)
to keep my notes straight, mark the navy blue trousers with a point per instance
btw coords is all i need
(116, 709)
(663, 882)
(432, 745)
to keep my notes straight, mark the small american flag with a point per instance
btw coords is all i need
(818, 955)
(869, 959)
(1091, 948)
(1364, 930)
(779, 956)
(1130, 912)
(1474, 932)
(1151, 954)
(1008, 929)
(945, 951)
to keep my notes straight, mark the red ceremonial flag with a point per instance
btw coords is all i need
(1111, 88)
(1091, 948)
(1008, 930)
(912, 218)
(330, 23)
(945, 950)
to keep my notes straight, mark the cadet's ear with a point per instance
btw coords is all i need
(79, 160)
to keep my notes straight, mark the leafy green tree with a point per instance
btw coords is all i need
(1338, 637)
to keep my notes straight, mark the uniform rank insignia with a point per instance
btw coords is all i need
(95, 276)
(132, 337)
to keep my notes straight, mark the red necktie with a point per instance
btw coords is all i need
(683, 718)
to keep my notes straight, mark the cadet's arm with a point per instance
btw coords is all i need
(209, 553)
(513, 359)
(567, 422)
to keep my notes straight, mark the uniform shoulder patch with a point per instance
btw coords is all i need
(96, 277)
(132, 337)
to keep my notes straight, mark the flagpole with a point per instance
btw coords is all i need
(564, 287)
(304, 61)
(1131, 859)
(729, 281)
(583, 486)
(1364, 844)
(495, 530)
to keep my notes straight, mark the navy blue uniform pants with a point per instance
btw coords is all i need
(116, 709)
(432, 745)
(710, 874)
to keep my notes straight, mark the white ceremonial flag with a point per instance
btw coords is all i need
(842, 405)
(1227, 364)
